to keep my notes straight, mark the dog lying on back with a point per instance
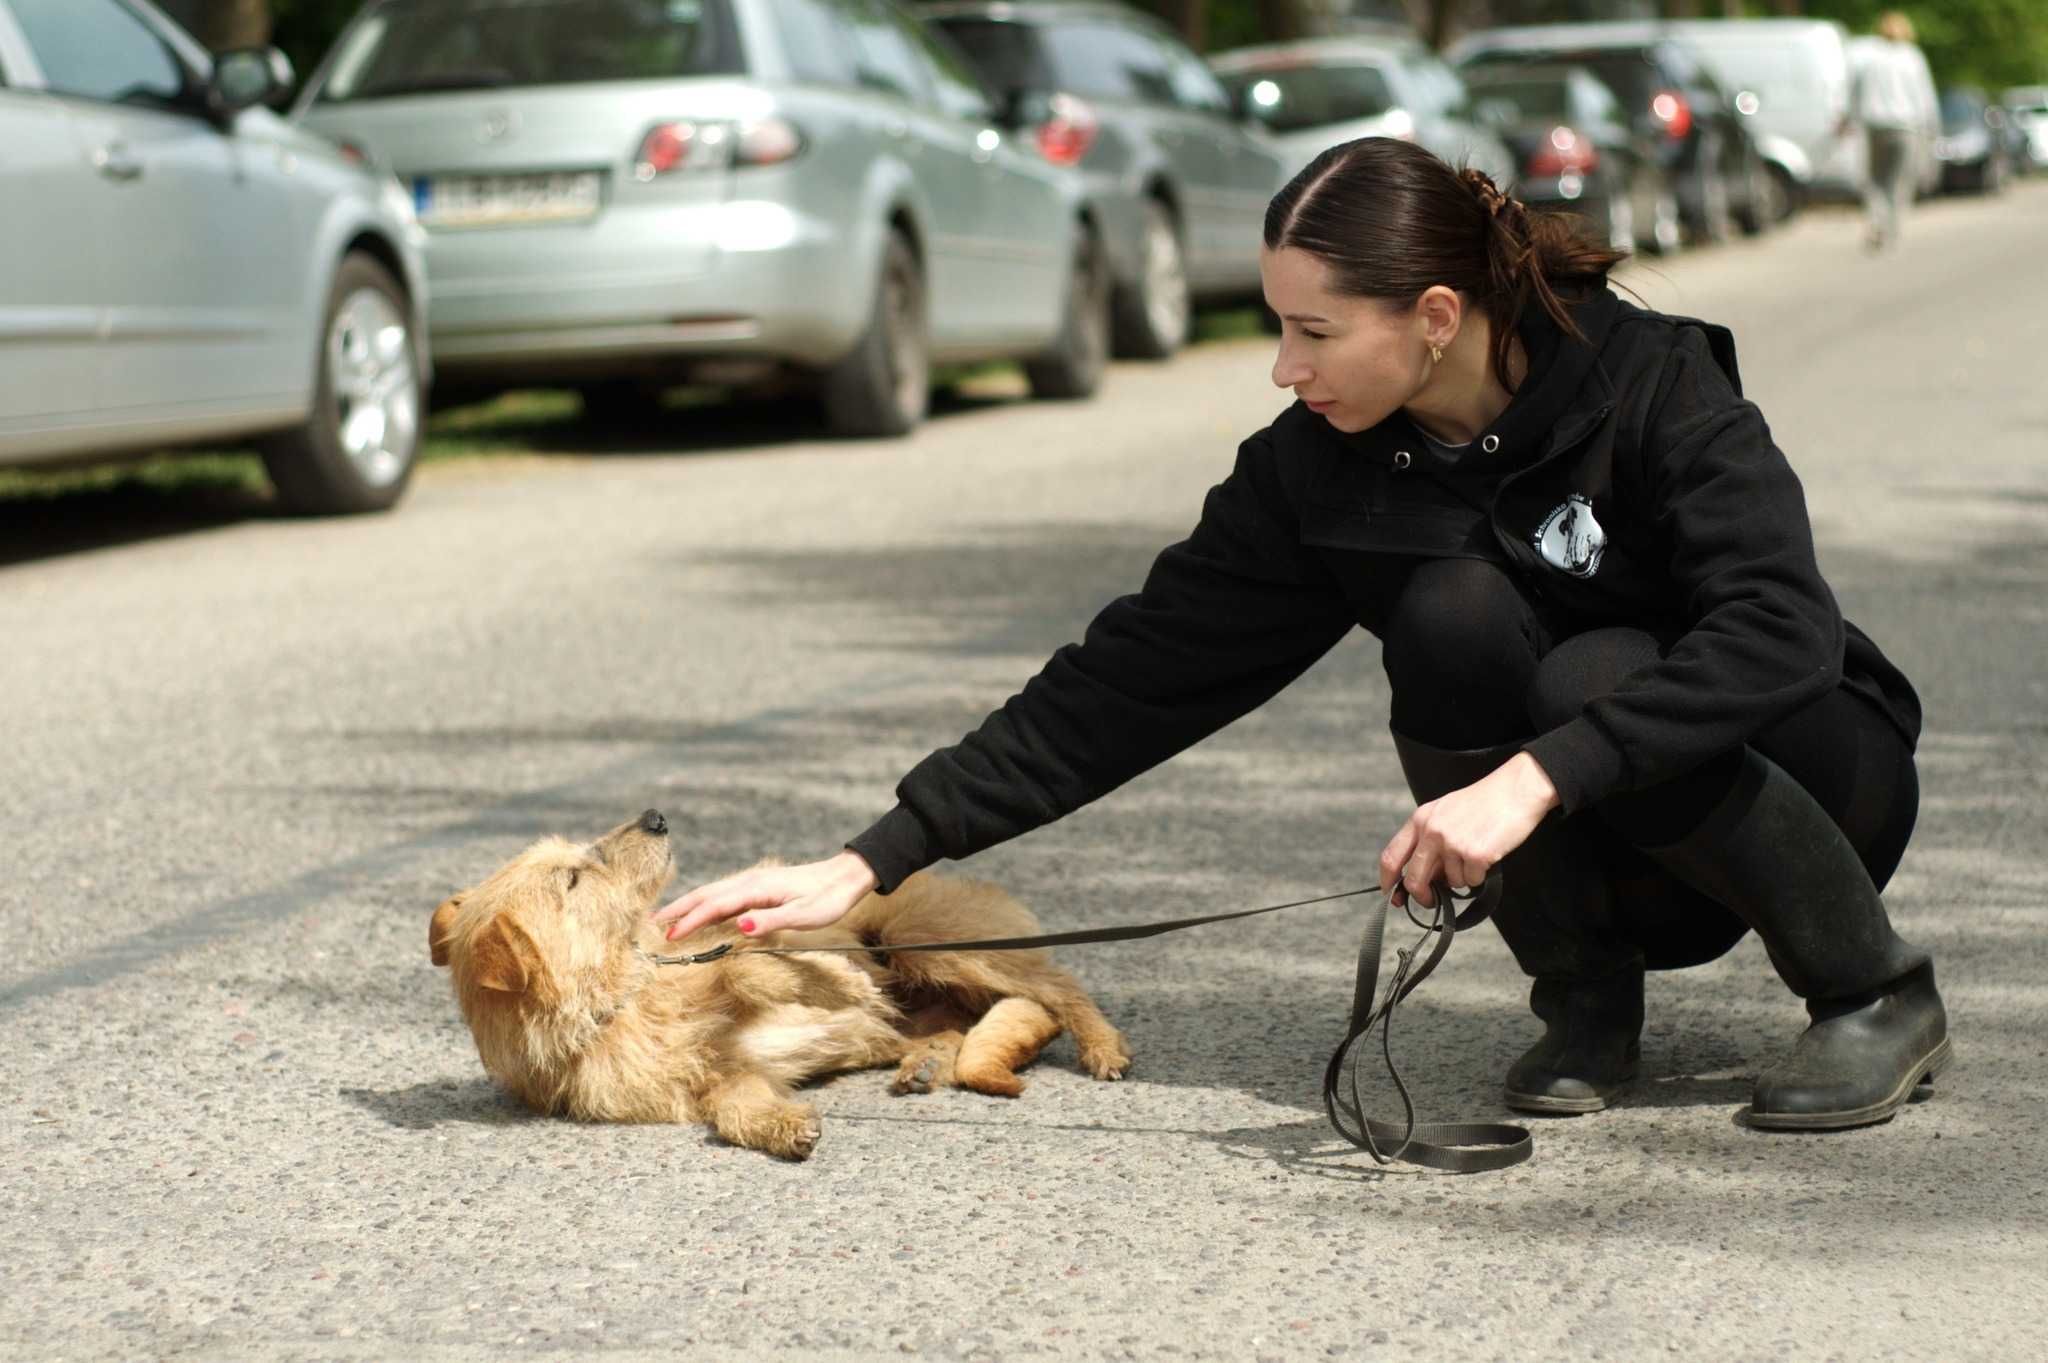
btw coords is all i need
(551, 959)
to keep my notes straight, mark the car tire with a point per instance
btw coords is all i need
(1759, 199)
(1154, 315)
(359, 444)
(1716, 221)
(884, 385)
(1073, 368)
(1661, 230)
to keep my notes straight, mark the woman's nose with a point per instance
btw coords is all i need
(1288, 370)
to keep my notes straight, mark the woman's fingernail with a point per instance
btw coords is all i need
(747, 926)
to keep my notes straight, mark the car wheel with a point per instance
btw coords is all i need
(1621, 221)
(1073, 367)
(1716, 221)
(357, 448)
(1785, 193)
(884, 386)
(1660, 225)
(1759, 199)
(1153, 316)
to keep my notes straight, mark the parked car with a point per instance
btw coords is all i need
(1972, 149)
(620, 195)
(1864, 48)
(2026, 117)
(1790, 81)
(1179, 182)
(1314, 94)
(1668, 90)
(1578, 149)
(178, 264)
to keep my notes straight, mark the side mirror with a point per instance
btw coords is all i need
(247, 77)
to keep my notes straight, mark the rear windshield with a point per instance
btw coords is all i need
(1960, 111)
(1006, 55)
(413, 47)
(1290, 98)
(1531, 99)
(1627, 71)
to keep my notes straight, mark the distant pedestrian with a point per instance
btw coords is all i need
(1887, 106)
(1618, 678)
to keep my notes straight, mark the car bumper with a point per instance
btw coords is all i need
(740, 279)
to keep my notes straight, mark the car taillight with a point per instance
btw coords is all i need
(1564, 152)
(686, 145)
(1065, 138)
(1669, 108)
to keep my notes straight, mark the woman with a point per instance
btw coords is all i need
(1617, 674)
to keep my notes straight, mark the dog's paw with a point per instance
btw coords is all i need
(793, 1135)
(1107, 1061)
(918, 1075)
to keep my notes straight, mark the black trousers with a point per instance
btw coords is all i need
(1475, 663)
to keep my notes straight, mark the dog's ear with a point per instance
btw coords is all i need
(504, 956)
(439, 928)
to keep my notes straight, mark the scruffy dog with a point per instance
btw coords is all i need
(552, 962)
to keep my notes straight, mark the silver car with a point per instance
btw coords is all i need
(178, 264)
(1318, 92)
(621, 193)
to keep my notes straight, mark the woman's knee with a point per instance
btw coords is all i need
(1459, 647)
(1583, 668)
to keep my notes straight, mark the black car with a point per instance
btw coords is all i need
(1577, 149)
(1973, 150)
(1668, 91)
(1177, 179)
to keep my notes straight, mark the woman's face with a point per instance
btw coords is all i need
(1354, 360)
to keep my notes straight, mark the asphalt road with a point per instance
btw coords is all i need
(240, 1117)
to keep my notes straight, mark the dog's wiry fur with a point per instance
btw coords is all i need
(573, 1019)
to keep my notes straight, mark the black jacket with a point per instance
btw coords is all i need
(1627, 482)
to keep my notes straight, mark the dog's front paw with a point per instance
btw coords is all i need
(1107, 1060)
(792, 1134)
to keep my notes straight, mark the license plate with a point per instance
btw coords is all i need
(497, 200)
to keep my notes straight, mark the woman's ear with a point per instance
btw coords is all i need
(1441, 313)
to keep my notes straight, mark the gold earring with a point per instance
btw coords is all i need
(1436, 354)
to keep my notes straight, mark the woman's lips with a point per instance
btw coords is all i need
(1317, 406)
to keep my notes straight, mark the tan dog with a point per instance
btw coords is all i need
(551, 959)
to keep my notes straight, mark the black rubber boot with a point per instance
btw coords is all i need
(1772, 855)
(1556, 913)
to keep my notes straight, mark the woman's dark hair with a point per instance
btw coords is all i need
(1390, 220)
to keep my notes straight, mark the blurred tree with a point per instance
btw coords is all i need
(227, 24)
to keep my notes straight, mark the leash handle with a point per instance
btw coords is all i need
(1455, 1147)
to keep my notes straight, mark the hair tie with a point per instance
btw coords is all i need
(1490, 195)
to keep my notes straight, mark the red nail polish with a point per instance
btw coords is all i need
(747, 926)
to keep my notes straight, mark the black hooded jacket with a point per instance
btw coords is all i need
(1627, 482)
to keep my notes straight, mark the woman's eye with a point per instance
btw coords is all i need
(1313, 335)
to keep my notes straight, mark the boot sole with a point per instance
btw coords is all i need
(1934, 1063)
(1549, 1105)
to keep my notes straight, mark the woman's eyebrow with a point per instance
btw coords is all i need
(1303, 317)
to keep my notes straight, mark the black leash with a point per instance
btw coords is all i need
(1456, 1147)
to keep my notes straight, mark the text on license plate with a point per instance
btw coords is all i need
(488, 200)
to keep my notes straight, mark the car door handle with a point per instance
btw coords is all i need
(116, 163)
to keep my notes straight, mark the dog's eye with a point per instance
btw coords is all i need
(574, 876)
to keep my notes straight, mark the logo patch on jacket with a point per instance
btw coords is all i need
(1570, 539)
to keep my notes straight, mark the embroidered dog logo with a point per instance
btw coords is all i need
(1571, 539)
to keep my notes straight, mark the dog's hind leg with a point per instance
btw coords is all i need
(1009, 1036)
(935, 1033)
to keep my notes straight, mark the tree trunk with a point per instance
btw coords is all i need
(1282, 19)
(229, 24)
(1191, 17)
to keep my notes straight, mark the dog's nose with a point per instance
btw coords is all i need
(652, 822)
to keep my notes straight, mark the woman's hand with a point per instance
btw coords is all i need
(1459, 837)
(808, 896)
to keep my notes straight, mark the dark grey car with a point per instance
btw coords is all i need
(1179, 182)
